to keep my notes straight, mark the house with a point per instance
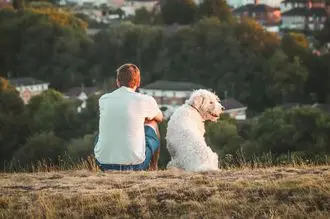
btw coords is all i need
(288, 5)
(304, 15)
(5, 4)
(234, 108)
(82, 93)
(171, 94)
(239, 3)
(28, 87)
(131, 6)
(262, 13)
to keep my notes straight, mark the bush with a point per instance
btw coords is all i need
(45, 147)
(81, 148)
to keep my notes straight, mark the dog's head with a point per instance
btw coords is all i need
(207, 104)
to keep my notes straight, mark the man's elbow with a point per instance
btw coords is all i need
(159, 117)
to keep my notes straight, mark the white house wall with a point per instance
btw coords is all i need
(293, 22)
(291, 5)
(166, 93)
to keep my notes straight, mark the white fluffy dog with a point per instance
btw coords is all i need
(185, 132)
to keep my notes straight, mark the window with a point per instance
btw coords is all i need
(310, 18)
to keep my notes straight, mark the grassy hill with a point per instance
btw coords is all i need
(281, 192)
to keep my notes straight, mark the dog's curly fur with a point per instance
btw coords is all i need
(185, 133)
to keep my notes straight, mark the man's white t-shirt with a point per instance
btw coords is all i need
(121, 126)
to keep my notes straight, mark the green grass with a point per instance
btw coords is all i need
(275, 192)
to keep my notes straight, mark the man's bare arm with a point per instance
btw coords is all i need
(158, 118)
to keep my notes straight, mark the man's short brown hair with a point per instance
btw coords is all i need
(128, 75)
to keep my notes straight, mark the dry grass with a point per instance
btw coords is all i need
(280, 192)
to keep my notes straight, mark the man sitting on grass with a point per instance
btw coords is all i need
(128, 132)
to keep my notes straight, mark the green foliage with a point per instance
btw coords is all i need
(81, 148)
(324, 35)
(10, 102)
(302, 129)
(13, 124)
(142, 16)
(179, 11)
(216, 8)
(286, 79)
(223, 137)
(50, 49)
(164, 157)
(67, 122)
(44, 146)
(42, 110)
(18, 4)
(142, 46)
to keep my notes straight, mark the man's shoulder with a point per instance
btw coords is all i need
(145, 97)
(105, 96)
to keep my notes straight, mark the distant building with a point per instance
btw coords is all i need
(82, 93)
(28, 87)
(302, 15)
(234, 108)
(131, 6)
(171, 94)
(238, 3)
(262, 13)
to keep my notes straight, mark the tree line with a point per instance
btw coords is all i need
(258, 68)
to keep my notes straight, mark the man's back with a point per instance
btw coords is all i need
(121, 126)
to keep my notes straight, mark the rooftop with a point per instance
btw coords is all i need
(173, 85)
(231, 103)
(318, 12)
(76, 91)
(24, 81)
(252, 8)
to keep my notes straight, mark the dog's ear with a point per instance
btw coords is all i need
(198, 101)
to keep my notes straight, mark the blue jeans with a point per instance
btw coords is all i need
(152, 145)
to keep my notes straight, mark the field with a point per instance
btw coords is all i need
(279, 192)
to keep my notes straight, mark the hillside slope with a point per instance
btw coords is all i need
(240, 193)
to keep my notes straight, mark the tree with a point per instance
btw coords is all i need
(294, 44)
(42, 147)
(324, 36)
(303, 129)
(125, 43)
(10, 102)
(51, 49)
(18, 4)
(142, 16)
(13, 124)
(223, 137)
(179, 11)
(67, 121)
(217, 8)
(273, 133)
(42, 110)
(286, 80)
